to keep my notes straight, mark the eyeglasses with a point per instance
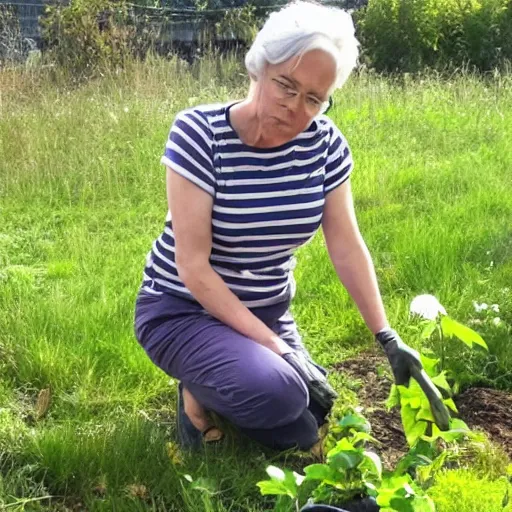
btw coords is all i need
(314, 106)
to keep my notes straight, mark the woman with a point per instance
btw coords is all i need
(248, 182)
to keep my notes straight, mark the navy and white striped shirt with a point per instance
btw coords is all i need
(267, 201)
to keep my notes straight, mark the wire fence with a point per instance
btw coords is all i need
(28, 14)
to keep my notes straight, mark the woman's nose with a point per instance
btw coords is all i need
(293, 104)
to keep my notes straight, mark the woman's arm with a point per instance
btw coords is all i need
(191, 210)
(350, 256)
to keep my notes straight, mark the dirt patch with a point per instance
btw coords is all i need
(372, 372)
(487, 409)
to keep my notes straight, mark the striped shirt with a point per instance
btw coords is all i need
(267, 202)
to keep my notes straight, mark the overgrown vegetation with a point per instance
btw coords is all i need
(410, 35)
(91, 37)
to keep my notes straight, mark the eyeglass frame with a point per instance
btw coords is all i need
(324, 107)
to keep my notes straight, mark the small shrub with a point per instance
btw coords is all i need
(87, 36)
(409, 35)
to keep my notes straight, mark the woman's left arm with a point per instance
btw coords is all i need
(355, 269)
(350, 256)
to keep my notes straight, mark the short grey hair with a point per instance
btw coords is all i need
(300, 27)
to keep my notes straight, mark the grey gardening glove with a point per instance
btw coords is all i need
(406, 363)
(402, 358)
(319, 389)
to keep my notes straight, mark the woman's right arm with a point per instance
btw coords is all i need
(191, 210)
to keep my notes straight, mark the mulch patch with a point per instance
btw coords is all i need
(481, 408)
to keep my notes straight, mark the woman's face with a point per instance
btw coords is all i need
(294, 92)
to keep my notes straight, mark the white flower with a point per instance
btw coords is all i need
(276, 473)
(427, 306)
(496, 321)
(495, 308)
(480, 307)
(298, 478)
(126, 109)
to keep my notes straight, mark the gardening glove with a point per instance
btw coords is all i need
(402, 358)
(406, 363)
(319, 389)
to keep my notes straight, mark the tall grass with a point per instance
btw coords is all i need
(82, 196)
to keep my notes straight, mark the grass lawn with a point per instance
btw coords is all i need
(82, 196)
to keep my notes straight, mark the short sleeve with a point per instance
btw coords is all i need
(339, 161)
(188, 150)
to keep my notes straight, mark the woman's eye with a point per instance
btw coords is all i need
(286, 88)
(314, 101)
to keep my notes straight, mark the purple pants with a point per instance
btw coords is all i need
(239, 379)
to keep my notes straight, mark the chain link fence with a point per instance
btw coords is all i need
(19, 29)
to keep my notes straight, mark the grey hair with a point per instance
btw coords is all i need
(300, 27)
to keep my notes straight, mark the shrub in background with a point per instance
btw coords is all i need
(87, 36)
(409, 35)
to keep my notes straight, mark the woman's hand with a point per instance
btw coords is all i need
(319, 389)
(406, 363)
(278, 346)
(403, 359)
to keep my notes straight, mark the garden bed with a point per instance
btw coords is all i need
(481, 408)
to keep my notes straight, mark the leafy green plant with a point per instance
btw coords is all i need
(417, 419)
(350, 471)
(438, 327)
(282, 483)
(401, 493)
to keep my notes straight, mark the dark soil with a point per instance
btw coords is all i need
(374, 390)
(487, 409)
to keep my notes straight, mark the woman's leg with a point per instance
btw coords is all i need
(228, 373)
(196, 412)
(301, 433)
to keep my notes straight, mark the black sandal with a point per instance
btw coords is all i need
(214, 439)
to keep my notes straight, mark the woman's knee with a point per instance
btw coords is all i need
(301, 434)
(269, 397)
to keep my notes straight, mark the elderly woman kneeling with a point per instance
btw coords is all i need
(248, 183)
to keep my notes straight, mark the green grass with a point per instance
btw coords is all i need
(82, 196)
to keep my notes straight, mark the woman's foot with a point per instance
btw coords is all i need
(191, 434)
(199, 417)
